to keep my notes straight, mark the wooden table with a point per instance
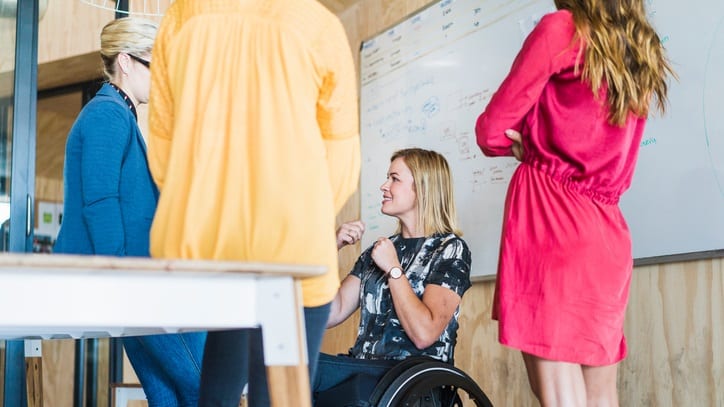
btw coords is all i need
(61, 296)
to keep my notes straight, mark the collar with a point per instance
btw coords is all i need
(125, 99)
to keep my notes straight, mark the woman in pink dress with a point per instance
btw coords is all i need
(572, 110)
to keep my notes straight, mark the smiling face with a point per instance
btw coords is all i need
(398, 194)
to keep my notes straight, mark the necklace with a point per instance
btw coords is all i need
(126, 99)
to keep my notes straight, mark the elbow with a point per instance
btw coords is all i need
(332, 320)
(493, 150)
(335, 318)
(492, 142)
(336, 315)
(424, 341)
(489, 150)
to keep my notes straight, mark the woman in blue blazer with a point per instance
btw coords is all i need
(110, 199)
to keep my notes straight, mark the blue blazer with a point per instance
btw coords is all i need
(110, 197)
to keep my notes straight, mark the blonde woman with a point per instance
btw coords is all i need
(573, 110)
(110, 199)
(408, 287)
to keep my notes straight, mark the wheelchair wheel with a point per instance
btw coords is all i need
(398, 370)
(417, 381)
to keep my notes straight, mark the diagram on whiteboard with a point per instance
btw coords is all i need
(424, 83)
(676, 201)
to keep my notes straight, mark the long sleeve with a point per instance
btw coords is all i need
(541, 56)
(101, 161)
(161, 109)
(338, 117)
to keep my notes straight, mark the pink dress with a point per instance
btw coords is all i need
(565, 261)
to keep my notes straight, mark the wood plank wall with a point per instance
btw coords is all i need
(675, 320)
(674, 324)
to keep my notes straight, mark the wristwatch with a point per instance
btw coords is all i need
(395, 272)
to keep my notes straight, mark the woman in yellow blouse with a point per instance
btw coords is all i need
(254, 143)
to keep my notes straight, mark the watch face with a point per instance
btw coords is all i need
(395, 272)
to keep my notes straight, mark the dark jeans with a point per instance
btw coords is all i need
(333, 370)
(168, 367)
(233, 358)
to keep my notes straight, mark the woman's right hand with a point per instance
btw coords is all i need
(350, 233)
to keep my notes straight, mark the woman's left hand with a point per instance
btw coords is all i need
(350, 233)
(517, 147)
(385, 255)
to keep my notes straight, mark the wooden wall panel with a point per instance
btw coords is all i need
(676, 336)
(58, 368)
(48, 189)
(674, 323)
(70, 28)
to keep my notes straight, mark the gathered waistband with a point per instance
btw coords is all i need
(607, 198)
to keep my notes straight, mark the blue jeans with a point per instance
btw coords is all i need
(168, 367)
(333, 370)
(233, 358)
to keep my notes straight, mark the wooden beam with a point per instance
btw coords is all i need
(63, 72)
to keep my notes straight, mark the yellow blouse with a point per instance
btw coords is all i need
(254, 135)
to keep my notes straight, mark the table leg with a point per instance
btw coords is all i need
(34, 373)
(289, 382)
(289, 385)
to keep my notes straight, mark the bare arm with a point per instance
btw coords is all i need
(423, 320)
(345, 302)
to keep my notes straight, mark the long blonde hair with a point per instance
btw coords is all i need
(130, 35)
(624, 52)
(434, 190)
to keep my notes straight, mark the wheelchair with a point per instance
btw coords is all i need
(421, 381)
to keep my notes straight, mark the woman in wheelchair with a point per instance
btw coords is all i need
(408, 286)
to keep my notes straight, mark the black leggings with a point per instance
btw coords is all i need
(229, 356)
(233, 358)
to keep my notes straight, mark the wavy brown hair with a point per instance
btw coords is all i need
(622, 51)
(434, 189)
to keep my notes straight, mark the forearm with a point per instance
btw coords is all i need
(345, 302)
(335, 313)
(415, 317)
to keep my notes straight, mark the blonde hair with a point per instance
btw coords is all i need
(129, 35)
(624, 52)
(434, 190)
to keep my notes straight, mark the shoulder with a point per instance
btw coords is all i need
(449, 247)
(104, 114)
(558, 24)
(171, 22)
(557, 20)
(451, 264)
(103, 117)
(553, 39)
(326, 33)
(106, 101)
(450, 240)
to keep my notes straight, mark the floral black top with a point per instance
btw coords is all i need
(442, 259)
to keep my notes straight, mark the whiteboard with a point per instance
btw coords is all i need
(425, 80)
